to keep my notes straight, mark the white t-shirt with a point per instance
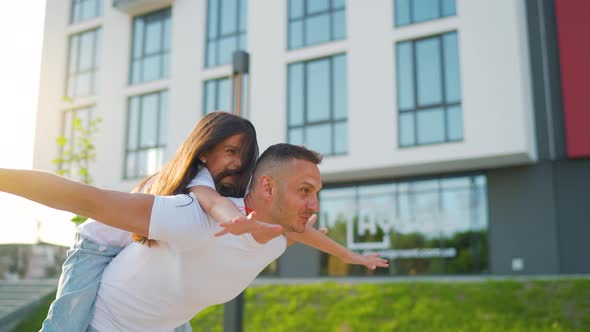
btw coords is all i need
(160, 288)
(103, 234)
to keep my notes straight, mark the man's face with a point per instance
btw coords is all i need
(297, 195)
(224, 160)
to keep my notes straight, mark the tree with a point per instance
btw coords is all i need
(77, 151)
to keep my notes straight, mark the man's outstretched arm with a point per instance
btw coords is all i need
(317, 239)
(127, 211)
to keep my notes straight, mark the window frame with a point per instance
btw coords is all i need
(417, 107)
(236, 34)
(332, 121)
(479, 267)
(305, 15)
(216, 82)
(159, 145)
(163, 15)
(412, 21)
(76, 7)
(72, 77)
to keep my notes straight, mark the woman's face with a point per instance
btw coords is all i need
(224, 161)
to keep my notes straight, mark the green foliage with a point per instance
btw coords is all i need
(209, 320)
(34, 322)
(476, 306)
(489, 306)
(79, 219)
(79, 152)
(76, 154)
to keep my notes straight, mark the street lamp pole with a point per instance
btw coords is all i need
(240, 71)
(233, 311)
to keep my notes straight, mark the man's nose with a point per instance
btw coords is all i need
(313, 204)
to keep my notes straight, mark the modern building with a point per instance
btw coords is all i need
(455, 132)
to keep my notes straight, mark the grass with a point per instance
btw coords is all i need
(35, 320)
(562, 305)
(475, 306)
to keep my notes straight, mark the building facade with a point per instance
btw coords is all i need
(455, 132)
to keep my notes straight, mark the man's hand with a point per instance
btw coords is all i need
(371, 261)
(249, 224)
(312, 220)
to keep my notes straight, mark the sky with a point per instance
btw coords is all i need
(21, 32)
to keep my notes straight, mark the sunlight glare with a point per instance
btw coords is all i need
(21, 32)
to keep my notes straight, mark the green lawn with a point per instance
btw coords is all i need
(420, 306)
(34, 322)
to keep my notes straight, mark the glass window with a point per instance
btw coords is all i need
(425, 227)
(339, 89)
(431, 126)
(429, 90)
(405, 74)
(428, 71)
(313, 22)
(218, 95)
(226, 30)
(448, 8)
(319, 138)
(295, 94)
(83, 63)
(415, 11)
(82, 10)
(77, 127)
(451, 68)
(337, 213)
(317, 29)
(317, 105)
(317, 92)
(146, 134)
(151, 47)
(402, 12)
(425, 10)
(296, 8)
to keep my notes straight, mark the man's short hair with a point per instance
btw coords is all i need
(276, 155)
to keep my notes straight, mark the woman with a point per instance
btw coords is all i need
(96, 243)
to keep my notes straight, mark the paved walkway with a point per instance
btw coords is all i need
(20, 298)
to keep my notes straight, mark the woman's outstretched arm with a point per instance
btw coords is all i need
(227, 213)
(127, 211)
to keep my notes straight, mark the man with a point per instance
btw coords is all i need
(151, 289)
(159, 288)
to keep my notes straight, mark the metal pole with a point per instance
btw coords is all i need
(233, 314)
(233, 311)
(237, 102)
(240, 69)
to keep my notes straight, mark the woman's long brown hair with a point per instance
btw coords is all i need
(211, 130)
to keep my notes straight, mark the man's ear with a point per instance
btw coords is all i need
(266, 185)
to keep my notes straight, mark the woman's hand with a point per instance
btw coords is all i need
(263, 231)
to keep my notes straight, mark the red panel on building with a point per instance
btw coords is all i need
(573, 31)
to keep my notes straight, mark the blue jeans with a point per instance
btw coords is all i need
(82, 270)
